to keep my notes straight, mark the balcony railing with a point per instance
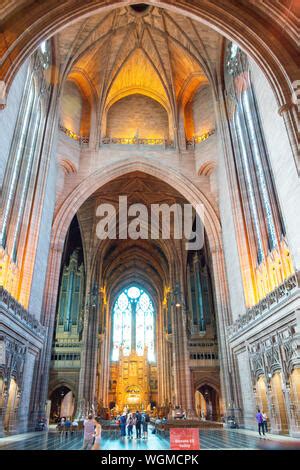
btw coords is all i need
(283, 291)
(197, 139)
(166, 143)
(83, 140)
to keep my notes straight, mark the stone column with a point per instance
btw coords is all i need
(40, 393)
(100, 356)
(95, 128)
(229, 381)
(3, 402)
(160, 356)
(198, 288)
(168, 355)
(107, 354)
(88, 371)
(182, 378)
(189, 296)
(23, 410)
(289, 409)
(87, 380)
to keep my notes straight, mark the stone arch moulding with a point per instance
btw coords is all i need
(207, 168)
(54, 385)
(137, 91)
(93, 182)
(209, 381)
(73, 202)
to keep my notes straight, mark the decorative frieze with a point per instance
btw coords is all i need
(279, 353)
(137, 141)
(257, 312)
(20, 313)
(15, 360)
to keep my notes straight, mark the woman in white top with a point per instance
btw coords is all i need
(265, 421)
(97, 441)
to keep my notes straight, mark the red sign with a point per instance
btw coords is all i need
(184, 439)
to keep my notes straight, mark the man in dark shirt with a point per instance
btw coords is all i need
(138, 423)
(68, 424)
(260, 422)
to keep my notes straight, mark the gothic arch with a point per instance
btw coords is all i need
(86, 188)
(55, 384)
(93, 182)
(207, 381)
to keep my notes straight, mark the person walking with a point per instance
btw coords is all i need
(68, 425)
(130, 422)
(145, 422)
(260, 422)
(138, 423)
(265, 421)
(74, 427)
(123, 425)
(61, 427)
(97, 441)
(89, 430)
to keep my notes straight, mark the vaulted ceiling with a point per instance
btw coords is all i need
(122, 51)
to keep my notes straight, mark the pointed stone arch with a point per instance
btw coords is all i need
(86, 188)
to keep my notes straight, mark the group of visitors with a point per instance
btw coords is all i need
(136, 420)
(262, 422)
(91, 431)
(66, 426)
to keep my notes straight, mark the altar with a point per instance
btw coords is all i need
(131, 379)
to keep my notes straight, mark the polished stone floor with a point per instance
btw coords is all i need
(209, 439)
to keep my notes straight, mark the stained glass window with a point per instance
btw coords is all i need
(133, 321)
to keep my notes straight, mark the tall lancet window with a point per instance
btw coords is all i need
(264, 225)
(133, 324)
(24, 180)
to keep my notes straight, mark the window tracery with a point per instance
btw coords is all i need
(133, 324)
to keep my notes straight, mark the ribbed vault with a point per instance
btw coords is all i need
(123, 53)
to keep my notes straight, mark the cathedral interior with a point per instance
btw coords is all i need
(164, 103)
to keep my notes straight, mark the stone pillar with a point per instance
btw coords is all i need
(107, 353)
(160, 357)
(3, 403)
(40, 394)
(94, 128)
(189, 296)
(87, 379)
(271, 416)
(198, 288)
(181, 131)
(289, 409)
(228, 373)
(293, 409)
(24, 403)
(168, 352)
(100, 356)
(182, 378)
